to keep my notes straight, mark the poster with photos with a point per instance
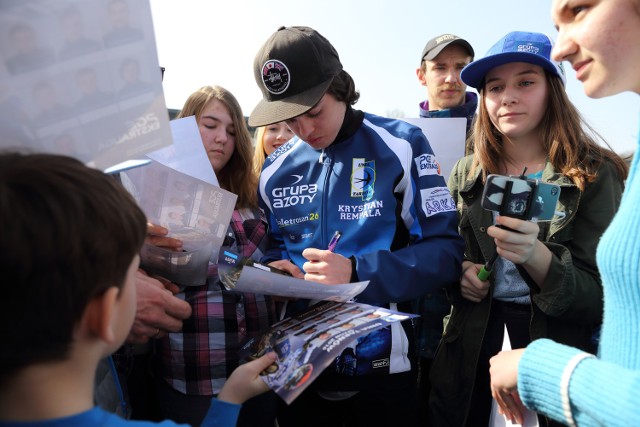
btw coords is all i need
(308, 343)
(81, 78)
(178, 201)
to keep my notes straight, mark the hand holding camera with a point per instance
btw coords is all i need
(521, 202)
(519, 197)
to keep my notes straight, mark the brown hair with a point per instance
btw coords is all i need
(69, 233)
(564, 134)
(343, 88)
(238, 175)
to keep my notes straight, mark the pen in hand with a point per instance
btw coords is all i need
(334, 241)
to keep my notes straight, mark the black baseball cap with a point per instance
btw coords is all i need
(436, 44)
(293, 69)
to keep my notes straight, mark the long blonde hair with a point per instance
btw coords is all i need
(571, 149)
(238, 175)
(259, 154)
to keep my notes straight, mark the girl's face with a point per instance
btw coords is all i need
(515, 96)
(319, 126)
(218, 134)
(600, 40)
(274, 136)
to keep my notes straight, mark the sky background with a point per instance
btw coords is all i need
(203, 42)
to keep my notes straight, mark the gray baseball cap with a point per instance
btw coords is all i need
(436, 44)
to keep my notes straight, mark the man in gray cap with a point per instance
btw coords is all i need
(377, 182)
(441, 61)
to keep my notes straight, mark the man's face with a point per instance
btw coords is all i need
(319, 126)
(441, 76)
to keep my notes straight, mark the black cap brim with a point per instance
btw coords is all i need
(269, 112)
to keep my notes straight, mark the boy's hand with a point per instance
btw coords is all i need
(245, 382)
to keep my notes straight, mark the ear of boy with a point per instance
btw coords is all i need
(100, 319)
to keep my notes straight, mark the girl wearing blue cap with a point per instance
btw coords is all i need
(600, 40)
(545, 283)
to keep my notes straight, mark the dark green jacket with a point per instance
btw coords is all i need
(568, 307)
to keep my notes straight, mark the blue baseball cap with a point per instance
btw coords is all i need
(517, 46)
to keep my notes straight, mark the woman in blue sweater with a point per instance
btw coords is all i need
(600, 40)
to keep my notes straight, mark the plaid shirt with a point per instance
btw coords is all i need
(199, 359)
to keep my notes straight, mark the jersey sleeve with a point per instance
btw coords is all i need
(433, 257)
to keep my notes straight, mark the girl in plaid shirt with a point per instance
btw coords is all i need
(195, 363)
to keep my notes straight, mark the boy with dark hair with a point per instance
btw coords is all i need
(376, 181)
(70, 241)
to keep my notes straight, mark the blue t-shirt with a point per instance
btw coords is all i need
(221, 414)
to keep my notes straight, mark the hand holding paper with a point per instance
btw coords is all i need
(504, 389)
(504, 382)
(255, 278)
(289, 267)
(157, 236)
(245, 381)
(308, 343)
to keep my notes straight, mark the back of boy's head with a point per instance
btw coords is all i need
(69, 233)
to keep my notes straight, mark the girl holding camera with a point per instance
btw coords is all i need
(545, 282)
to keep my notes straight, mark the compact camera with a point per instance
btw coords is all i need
(519, 197)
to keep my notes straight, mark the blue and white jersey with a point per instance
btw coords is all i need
(380, 187)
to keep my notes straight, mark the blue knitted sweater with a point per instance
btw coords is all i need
(603, 390)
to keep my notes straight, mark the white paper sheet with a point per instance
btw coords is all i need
(259, 281)
(186, 154)
(447, 139)
(81, 79)
(497, 420)
(176, 200)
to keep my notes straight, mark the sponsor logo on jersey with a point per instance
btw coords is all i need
(436, 200)
(295, 194)
(427, 165)
(275, 76)
(282, 222)
(380, 363)
(358, 212)
(282, 149)
(295, 238)
(363, 178)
